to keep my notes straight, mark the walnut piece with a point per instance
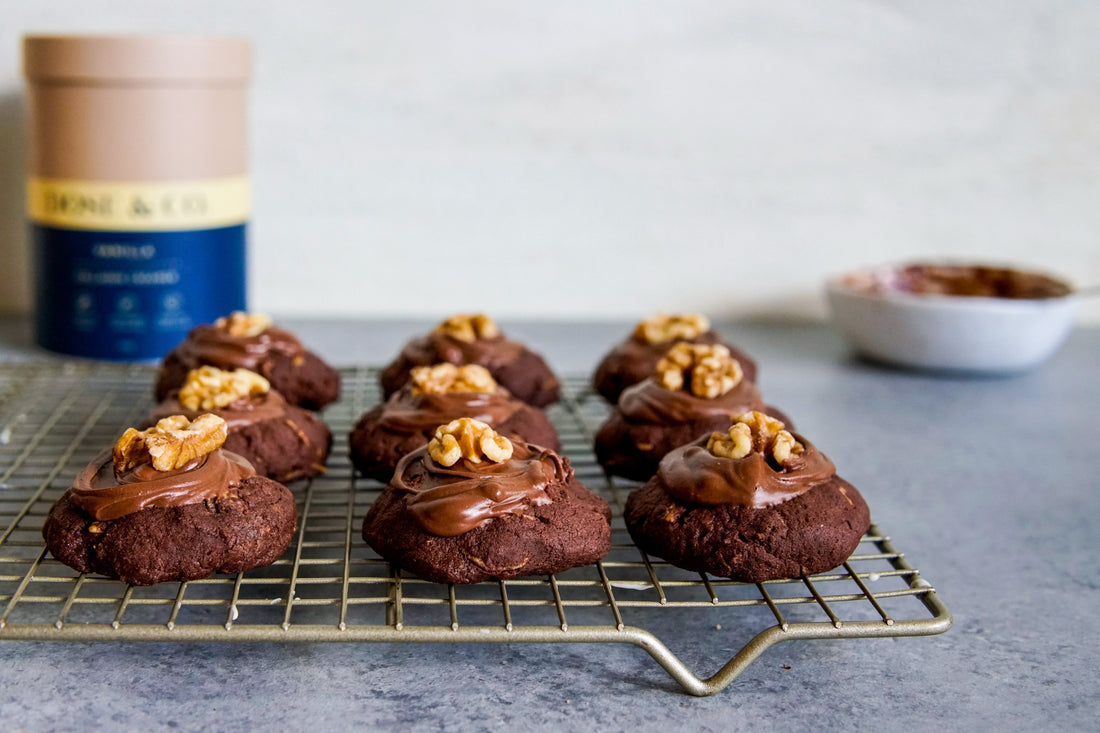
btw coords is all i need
(444, 378)
(243, 325)
(669, 327)
(736, 444)
(468, 327)
(755, 431)
(171, 444)
(470, 439)
(208, 388)
(705, 371)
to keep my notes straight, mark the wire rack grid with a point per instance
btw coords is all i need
(330, 586)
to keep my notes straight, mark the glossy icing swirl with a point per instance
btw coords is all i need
(211, 345)
(649, 402)
(693, 475)
(105, 495)
(237, 414)
(407, 413)
(447, 502)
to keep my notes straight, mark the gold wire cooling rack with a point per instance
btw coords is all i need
(331, 587)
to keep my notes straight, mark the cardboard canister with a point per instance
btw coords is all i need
(138, 194)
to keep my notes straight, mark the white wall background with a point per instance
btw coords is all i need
(606, 159)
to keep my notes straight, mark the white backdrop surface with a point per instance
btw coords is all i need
(595, 160)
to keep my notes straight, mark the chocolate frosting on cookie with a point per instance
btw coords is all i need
(637, 349)
(105, 494)
(409, 413)
(209, 344)
(634, 359)
(241, 412)
(525, 374)
(449, 501)
(649, 402)
(490, 353)
(692, 474)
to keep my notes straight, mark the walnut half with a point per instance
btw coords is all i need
(209, 388)
(170, 444)
(243, 325)
(705, 371)
(470, 439)
(669, 327)
(468, 327)
(444, 378)
(755, 431)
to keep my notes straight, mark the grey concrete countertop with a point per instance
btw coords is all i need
(988, 485)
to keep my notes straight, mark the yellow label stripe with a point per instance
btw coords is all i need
(131, 206)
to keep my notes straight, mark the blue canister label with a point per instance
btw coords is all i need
(125, 270)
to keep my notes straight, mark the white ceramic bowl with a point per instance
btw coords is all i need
(948, 332)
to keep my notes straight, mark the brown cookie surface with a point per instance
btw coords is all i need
(389, 431)
(650, 421)
(633, 450)
(250, 528)
(811, 533)
(301, 376)
(632, 360)
(280, 440)
(525, 374)
(570, 531)
(285, 449)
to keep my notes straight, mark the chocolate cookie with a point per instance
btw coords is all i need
(249, 528)
(634, 359)
(751, 518)
(523, 515)
(475, 339)
(651, 419)
(167, 503)
(281, 441)
(293, 448)
(250, 342)
(407, 421)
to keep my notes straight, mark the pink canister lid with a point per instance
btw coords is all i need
(136, 59)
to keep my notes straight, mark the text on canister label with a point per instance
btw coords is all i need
(138, 206)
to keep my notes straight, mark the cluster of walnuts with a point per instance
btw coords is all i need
(665, 327)
(755, 432)
(470, 439)
(703, 370)
(243, 325)
(468, 327)
(444, 378)
(170, 444)
(210, 388)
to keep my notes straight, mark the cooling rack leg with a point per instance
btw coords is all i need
(687, 679)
